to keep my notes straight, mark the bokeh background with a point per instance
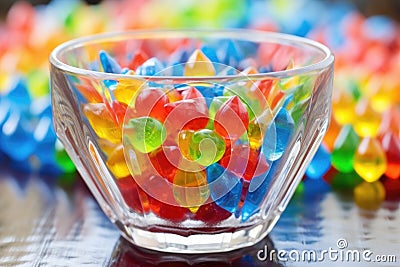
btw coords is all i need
(365, 37)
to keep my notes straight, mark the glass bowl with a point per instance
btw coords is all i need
(192, 141)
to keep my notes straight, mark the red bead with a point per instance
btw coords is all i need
(161, 199)
(391, 146)
(193, 93)
(231, 119)
(169, 212)
(133, 195)
(245, 162)
(89, 93)
(165, 161)
(119, 110)
(150, 103)
(138, 59)
(211, 214)
(186, 114)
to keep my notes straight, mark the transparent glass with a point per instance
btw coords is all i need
(178, 186)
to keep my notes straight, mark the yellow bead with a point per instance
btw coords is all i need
(343, 105)
(369, 195)
(257, 128)
(117, 164)
(184, 138)
(126, 90)
(199, 64)
(367, 120)
(102, 122)
(370, 160)
(191, 189)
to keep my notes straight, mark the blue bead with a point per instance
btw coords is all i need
(320, 163)
(108, 63)
(256, 196)
(45, 137)
(19, 94)
(231, 54)
(179, 57)
(5, 106)
(207, 92)
(150, 67)
(219, 90)
(17, 133)
(210, 53)
(280, 131)
(225, 187)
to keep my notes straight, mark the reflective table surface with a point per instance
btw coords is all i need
(46, 221)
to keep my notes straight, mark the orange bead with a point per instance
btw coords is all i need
(331, 134)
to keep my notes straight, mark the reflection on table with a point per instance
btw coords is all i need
(56, 222)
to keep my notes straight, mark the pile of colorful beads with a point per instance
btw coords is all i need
(206, 146)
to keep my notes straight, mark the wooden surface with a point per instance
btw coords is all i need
(43, 223)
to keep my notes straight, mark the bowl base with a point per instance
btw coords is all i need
(197, 243)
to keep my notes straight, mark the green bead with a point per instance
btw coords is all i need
(145, 134)
(206, 147)
(63, 160)
(344, 149)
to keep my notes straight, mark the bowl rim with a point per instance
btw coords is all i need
(244, 34)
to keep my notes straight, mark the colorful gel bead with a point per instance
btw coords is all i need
(150, 67)
(190, 189)
(192, 93)
(369, 196)
(126, 89)
(215, 105)
(145, 134)
(370, 160)
(117, 164)
(62, 158)
(19, 95)
(232, 119)
(199, 64)
(343, 105)
(254, 197)
(172, 213)
(162, 200)
(184, 140)
(367, 120)
(320, 163)
(331, 134)
(225, 187)
(278, 135)
(391, 147)
(231, 55)
(133, 195)
(257, 129)
(211, 214)
(390, 121)
(165, 161)
(186, 114)
(206, 147)
(108, 63)
(344, 149)
(17, 133)
(138, 59)
(102, 122)
(150, 103)
(245, 162)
